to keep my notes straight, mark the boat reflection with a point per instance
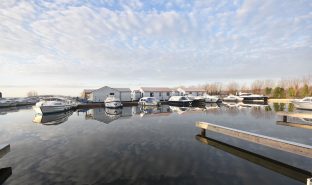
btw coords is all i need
(52, 119)
(163, 110)
(6, 110)
(108, 115)
(271, 164)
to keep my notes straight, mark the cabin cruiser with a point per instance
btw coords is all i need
(305, 103)
(112, 102)
(7, 103)
(252, 97)
(149, 101)
(233, 98)
(180, 101)
(211, 99)
(54, 104)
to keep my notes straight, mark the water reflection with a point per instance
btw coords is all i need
(52, 119)
(6, 110)
(271, 164)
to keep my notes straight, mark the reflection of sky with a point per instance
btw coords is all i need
(153, 149)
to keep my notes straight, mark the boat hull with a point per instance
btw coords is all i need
(50, 109)
(181, 103)
(303, 105)
(113, 104)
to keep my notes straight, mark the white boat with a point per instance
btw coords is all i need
(183, 101)
(54, 104)
(7, 103)
(305, 103)
(211, 99)
(149, 101)
(233, 98)
(112, 102)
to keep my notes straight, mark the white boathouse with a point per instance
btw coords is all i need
(161, 93)
(191, 91)
(99, 95)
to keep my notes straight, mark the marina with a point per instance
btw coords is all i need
(153, 138)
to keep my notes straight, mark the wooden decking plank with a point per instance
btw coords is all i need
(288, 146)
(274, 165)
(4, 149)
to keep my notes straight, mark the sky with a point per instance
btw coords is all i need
(65, 46)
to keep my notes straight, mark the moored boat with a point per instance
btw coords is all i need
(149, 101)
(52, 105)
(253, 97)
(233, 98)
(112, 102)
(180, 101)
(305, 103)
(211, 99)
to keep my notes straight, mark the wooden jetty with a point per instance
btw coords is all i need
(297, 125)
(5, 173)
(285, 122)
(4, 149)
(271, 164)
(288, 146)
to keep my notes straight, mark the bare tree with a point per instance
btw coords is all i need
(257, 86)
(232, 87)
(32, 93)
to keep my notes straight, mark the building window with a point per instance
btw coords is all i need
(111, 93)
(168, 93)
(151, 94)
(159, 94)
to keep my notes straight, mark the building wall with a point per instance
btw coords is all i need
(163, 96)
(125, 96)
(101, 94)
(135, 96)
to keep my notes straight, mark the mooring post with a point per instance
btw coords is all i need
(284, 118)
(203, 132)
(309, 181)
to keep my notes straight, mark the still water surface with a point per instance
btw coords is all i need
(145, 146)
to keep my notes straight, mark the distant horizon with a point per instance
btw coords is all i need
(75, 90)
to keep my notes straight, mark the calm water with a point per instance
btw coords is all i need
(151, 146)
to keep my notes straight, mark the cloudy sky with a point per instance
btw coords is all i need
(65, 46)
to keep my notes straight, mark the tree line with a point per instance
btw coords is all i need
(284, 88)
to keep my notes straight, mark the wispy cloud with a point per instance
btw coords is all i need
(152, 41)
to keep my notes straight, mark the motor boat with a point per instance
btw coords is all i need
(252, 97)
(149, 101)
(233, 98)
(183, 101)
(54, 104)
(7, 103)
(112, 102)
(305, 103)
(211, 99)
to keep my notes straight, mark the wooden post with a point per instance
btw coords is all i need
(288, 146)
(203, 132)
(284, 118)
